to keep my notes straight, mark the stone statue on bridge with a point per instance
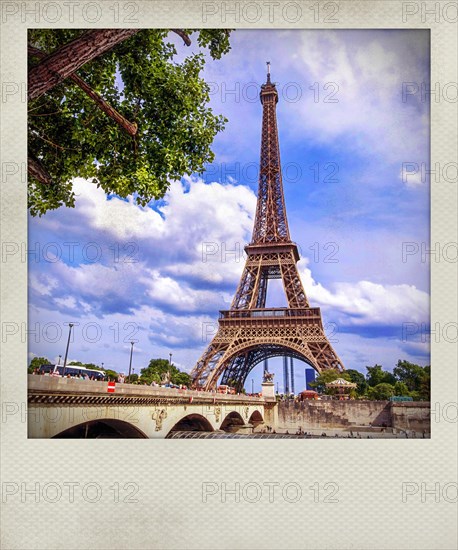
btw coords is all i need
(268, 376)
(165, 377)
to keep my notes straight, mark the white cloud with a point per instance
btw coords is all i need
(370, 111)
(98, 280)
(175, 292)
(67, 302)
(44, 285)
(196, 240)
(367, 303)
(200, 223)
(115, 216)
(169, 292)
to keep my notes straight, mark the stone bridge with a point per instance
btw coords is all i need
(67, 407)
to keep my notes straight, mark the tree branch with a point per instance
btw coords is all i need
(37, 170)
(69, 58)
(129, 127)
(183, 35)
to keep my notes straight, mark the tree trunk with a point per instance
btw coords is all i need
(37, 170)
(69, 58)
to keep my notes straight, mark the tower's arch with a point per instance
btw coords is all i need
(236, 366)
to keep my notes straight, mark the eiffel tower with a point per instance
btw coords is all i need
(248, 332)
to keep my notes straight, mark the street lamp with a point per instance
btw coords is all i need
(130, 363)
(58, 362)
(170, 359)
(252, 386)
(70, 326)
(102, 365)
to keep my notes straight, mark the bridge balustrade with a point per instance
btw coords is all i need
(58, 385)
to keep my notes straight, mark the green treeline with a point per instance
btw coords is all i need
(407, 379)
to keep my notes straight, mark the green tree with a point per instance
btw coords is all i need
(400, 388)
(409, 373)
(156, 370)
(181, 378)
(376, 375)
(115, 106)
(425, 384)
(382, 391)
(36, 362)
(416, 396)
(416, 378)
(358, 378)
(111, 374)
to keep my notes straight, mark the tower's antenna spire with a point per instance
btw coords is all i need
(268, 71)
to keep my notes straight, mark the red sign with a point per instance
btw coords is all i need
(111, 387)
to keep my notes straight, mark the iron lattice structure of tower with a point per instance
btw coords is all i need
(248, 332)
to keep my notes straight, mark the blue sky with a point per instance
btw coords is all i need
(159, 274)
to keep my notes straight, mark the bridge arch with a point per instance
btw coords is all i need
(107, 428)
(192, 423)
(232, 420)
(256, 418)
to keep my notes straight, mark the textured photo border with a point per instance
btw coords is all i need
(391, 494)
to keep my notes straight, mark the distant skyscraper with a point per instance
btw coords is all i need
(285, 374)
(291, 364)
(309, 377)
